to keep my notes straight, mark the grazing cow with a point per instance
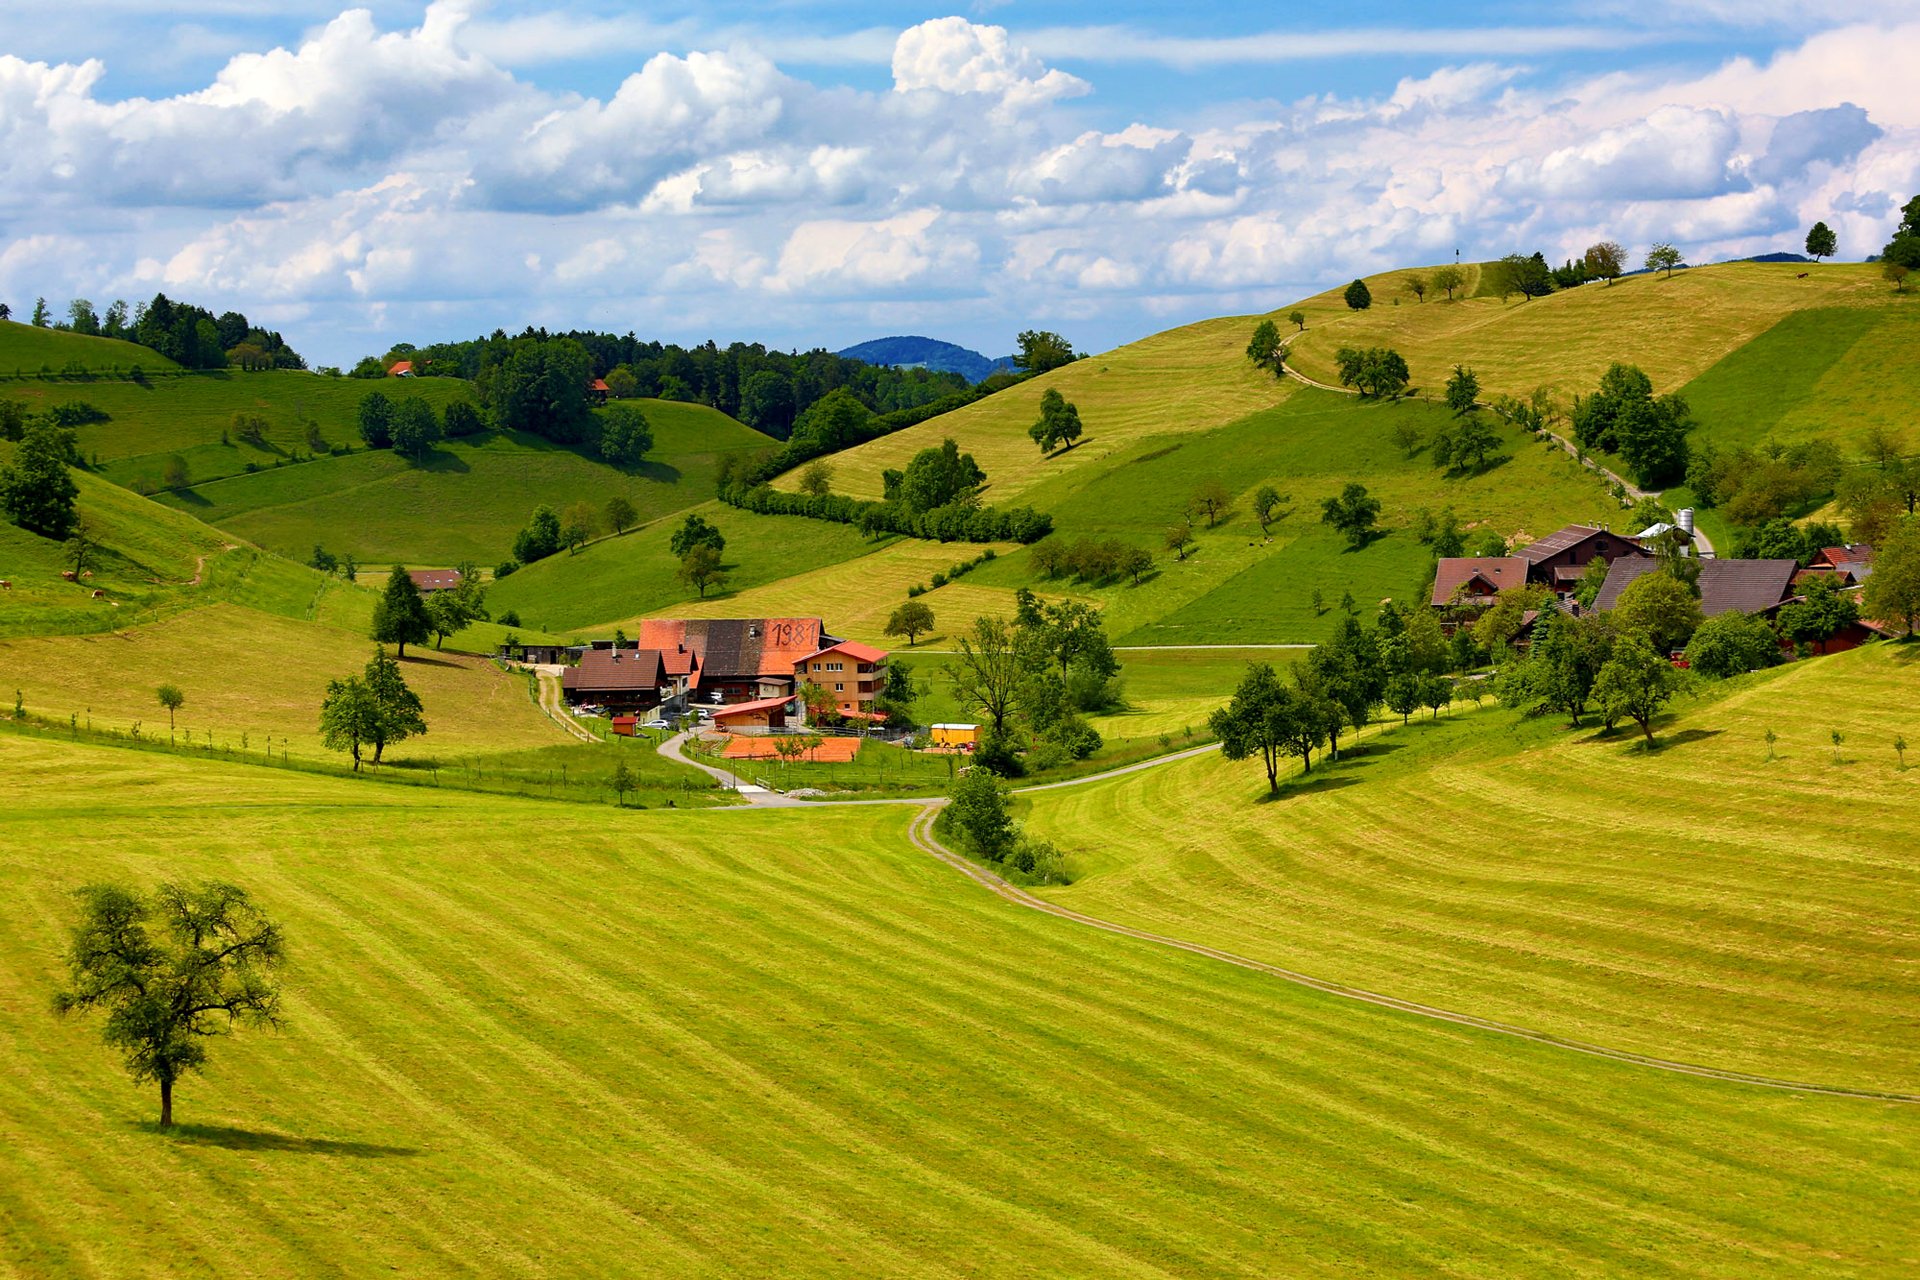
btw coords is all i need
(6, 584)
(87, 576)
(67, 574)
(1801, 276)
(99, 595)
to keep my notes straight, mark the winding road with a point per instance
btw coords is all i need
(920, 832)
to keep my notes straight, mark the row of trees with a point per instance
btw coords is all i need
(191, 336)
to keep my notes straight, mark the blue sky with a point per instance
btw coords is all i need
(820, 173)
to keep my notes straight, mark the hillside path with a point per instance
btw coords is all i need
(554, 705)
(1628, 487)
(921, 833)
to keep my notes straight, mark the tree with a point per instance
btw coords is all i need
(693, 532)
(816, 478)
(1463, 390)
(41, 316)
(1059, 424)
(620, 514)
(415, 430)
(1606, 260)
(1319, 602)
(1465, 443)
(1821, 242)
(1041, 350)
(541, 387)
(937, 477)
(1663, 257)
(400, 618)
(1562, 664)
(1378, 372)
(1265, 350)
(172, 699)
(1635, 683)
(986, 674)
(541, 537)
(1623, 416)
(210, 968)
(35, 490)
(1298, 319)
(1893, 591)
(1135, 562)
(578, 523)
(398, 714)
(1524, 274)
(349, 717)
(1210, 498)
(1353, 513)
(1265, 503)
(1406, 435)
(462, 419)
(625, 436)
(1731, 644)
(1179, 538)
(1269, 720)
(1896, 272)
(623, 780)
(6, 312)
(912, 620)
(1660, 607)
(1823, 611)
(1358, 296)
(1403, 695)
(980, 811)
(700, 568)
(1447, 279)
(1416, 284)
(375, 418)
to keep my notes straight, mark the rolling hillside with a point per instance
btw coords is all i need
(1704, 903)
(781, 1044)
(25, 351)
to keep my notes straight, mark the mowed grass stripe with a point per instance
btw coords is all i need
(1107, 1072)
(1560, 882)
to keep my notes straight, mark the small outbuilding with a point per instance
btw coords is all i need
(763, 715)
(964, 736)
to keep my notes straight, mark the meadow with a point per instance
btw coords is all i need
(469, 498)
(1704, 902)
(526, 1038)
(26, 350)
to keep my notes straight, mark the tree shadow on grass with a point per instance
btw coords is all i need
(204, 1135)
(442, 462)
(1686, 736)
(427, 660)
(1307, 786)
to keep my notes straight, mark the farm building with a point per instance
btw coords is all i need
(1476, 580)
(623, 680)
(1853, 562)
(434, 579)
(762, 715)
(1557, 560)
(1750, 586)
(854, 673)
(400, 369)
(598, 391)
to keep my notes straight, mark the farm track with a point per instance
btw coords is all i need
(921, 833)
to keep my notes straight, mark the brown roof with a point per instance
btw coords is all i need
(616, 669)
(738, 648)
(1750, 586)
(751, 708)
(1566, 539)
(434, 579)
(1498, 572)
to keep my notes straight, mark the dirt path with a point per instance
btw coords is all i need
(555, 706)
(921, 833)
(1630, 489)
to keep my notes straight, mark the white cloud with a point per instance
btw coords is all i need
(1676, 153)
(954, 56)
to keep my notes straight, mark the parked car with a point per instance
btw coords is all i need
(655, 724)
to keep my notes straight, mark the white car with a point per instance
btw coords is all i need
(655, 724)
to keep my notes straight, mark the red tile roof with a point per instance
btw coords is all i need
(738, 648)
(598, 384)
(1496, 572)
(399, 368)
(853, 649)
(434, 579)
(751, 708)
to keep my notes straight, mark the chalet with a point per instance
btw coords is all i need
(1558, 560)
(400, 369)
(623, 680)
(1853, 562)
(1473, 581)
(854, 673)
(1749, 586)
(434, 579)
(598, 391)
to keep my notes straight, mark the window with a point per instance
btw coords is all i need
(1599, 544)
(839, 688)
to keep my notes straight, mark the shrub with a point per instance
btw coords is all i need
(505, 569)
(1731, 643)
(511, 618)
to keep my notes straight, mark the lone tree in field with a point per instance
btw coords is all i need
(624, 780)
(1211, 500)
(1821, 242)
(912, 620)
(1264, 349)
(1059, 423)
(1605, 260)
(1358, 296)
(816, 478)
(1447, 279)
(172, 699)
(376, 420)
(36, 492)
(1265, 504)
(1635, 683)
(210, 967)
(987, 673)
(1663, 257)
(1353, 513)
(1179, 538)
(401, 617)
(1298, 319)
(1416, 284)
(700, 569)
(620, 514)
(1270, 720)
(397, 710)
(1463, 390)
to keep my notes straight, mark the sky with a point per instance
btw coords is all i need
(819, 172)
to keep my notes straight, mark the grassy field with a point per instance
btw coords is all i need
(527, 1039)
(1675, 329)
(470, 498)
(1701, 903)
(26, 350)
(618, 579)
(1237, 586)
(1189, 379)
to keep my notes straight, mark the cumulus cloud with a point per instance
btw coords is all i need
(1676, 153)
(954, 56)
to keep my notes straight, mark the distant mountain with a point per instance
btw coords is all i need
(1779, 257)
(927, 353)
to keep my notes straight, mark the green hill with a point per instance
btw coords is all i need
(27, 352)
(789, 1043)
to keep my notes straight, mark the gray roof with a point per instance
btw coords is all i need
(1749, 586)
(1565, 539)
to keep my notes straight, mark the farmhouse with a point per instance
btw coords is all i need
(598, 391)
(1557, 560)
(434, 579)
(1853, 562)
(624, 680)
(400, 369)
(854, 673)
(1475, 580)
(1750, 586)
(733, 660)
